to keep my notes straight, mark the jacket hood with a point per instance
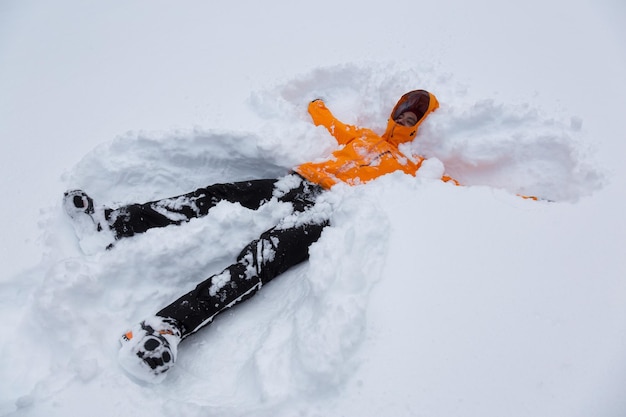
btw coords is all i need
(420, 102)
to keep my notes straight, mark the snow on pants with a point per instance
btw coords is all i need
(275, 251)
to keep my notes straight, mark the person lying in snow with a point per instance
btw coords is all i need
(149, 349)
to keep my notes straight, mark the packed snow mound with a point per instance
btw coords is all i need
(299, 339)
(512, 147)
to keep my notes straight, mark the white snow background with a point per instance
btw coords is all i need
(421, 299)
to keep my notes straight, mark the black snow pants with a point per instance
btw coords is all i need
(275, 251)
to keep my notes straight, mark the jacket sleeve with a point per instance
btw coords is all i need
(322, 116)
(447, 178)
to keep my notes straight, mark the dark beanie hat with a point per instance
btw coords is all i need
(417, 101)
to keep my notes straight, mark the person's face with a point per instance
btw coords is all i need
(408, 119)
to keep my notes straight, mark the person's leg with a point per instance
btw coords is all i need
(273, 253)
(129, 220)
(150, 348)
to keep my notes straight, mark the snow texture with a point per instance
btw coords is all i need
(421, 299)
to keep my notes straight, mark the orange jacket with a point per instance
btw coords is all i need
(364, 155)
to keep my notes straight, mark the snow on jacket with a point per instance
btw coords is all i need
(363, 155)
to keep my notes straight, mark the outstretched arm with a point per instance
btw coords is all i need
(322, 116)
(447, 178)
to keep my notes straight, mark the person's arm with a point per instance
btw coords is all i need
(447, 178)
(322, 116)
(529, 197)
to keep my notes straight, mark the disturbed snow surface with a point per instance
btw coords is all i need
(421, 298)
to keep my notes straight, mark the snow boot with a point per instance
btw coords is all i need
(150, 348)
(77, 202)
(89, 222)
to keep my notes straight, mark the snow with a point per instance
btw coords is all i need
(421, 299)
